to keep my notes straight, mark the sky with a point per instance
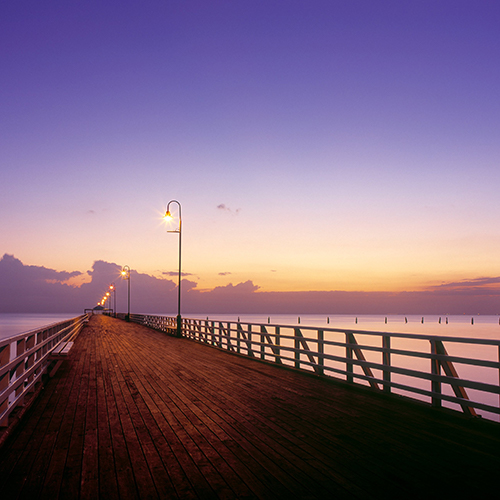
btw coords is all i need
(317, 148)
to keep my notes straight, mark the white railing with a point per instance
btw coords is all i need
(461, 373)
(25, 357)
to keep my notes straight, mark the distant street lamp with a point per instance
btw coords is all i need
(168, 216)
(113, 289)
(126, 276)
(108, 296)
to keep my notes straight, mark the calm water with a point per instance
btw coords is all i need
(12, 324)
(487, 327)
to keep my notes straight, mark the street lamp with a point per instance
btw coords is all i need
(113, 289)
(168, 216)
(126, 276)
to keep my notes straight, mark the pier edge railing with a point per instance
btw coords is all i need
(25, 358)
(308, 348)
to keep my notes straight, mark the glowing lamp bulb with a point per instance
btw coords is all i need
(168, 215)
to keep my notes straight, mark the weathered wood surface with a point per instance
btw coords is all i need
(133, 413)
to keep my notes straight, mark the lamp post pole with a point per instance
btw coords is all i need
(126, 276)
(168, 215)
(113, 289)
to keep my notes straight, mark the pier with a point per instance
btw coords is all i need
(135, 413)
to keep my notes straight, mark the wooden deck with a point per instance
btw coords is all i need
(133, 413)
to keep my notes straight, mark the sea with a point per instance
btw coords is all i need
(477, 326)
(13, 323)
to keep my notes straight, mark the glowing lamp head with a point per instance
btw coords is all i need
(168, 215)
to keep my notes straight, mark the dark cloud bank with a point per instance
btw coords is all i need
(38, 289)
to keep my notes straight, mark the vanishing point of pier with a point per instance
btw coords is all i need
(134, 413)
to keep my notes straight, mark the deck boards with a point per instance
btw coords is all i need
(133, 413)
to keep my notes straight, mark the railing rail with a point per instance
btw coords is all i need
(419, 366)
(25, 357)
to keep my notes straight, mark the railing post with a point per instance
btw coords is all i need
(262, 342)
(230, 345)
(20, 349)
(250, 343)
(321, 352)
(296, 344)
(386, 361)
(238, 337)
(219, 335)
(4, 383)
(30, 344)
(212, 330)
(435, 370)
(349, 355)
(277, 343)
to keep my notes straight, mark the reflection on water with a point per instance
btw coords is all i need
(487, 327)
(12, 324)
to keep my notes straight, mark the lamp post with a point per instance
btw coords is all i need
(113, 289)
(168, 216)
(126, 276)
(108, 297)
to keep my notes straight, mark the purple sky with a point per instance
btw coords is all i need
(346, 147)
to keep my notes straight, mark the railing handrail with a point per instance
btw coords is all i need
(306, 347)
(21, 370)
(415, 336)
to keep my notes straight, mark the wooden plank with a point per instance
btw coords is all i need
(134, 413)
(67, 348)
(108, 484)
(206, 445)
(89, 486)
(68, 405)
(181, 449)
(25, 445)
(48, 441)
(125, 478)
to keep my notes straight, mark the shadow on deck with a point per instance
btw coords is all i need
(133, 413)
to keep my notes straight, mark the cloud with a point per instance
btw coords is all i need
(175, 273)
(240, 288)
(225, 273)
(33, 288)
(225, 208)
(477, 286)
(25, 288)
(10, 267)
(38, 289)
